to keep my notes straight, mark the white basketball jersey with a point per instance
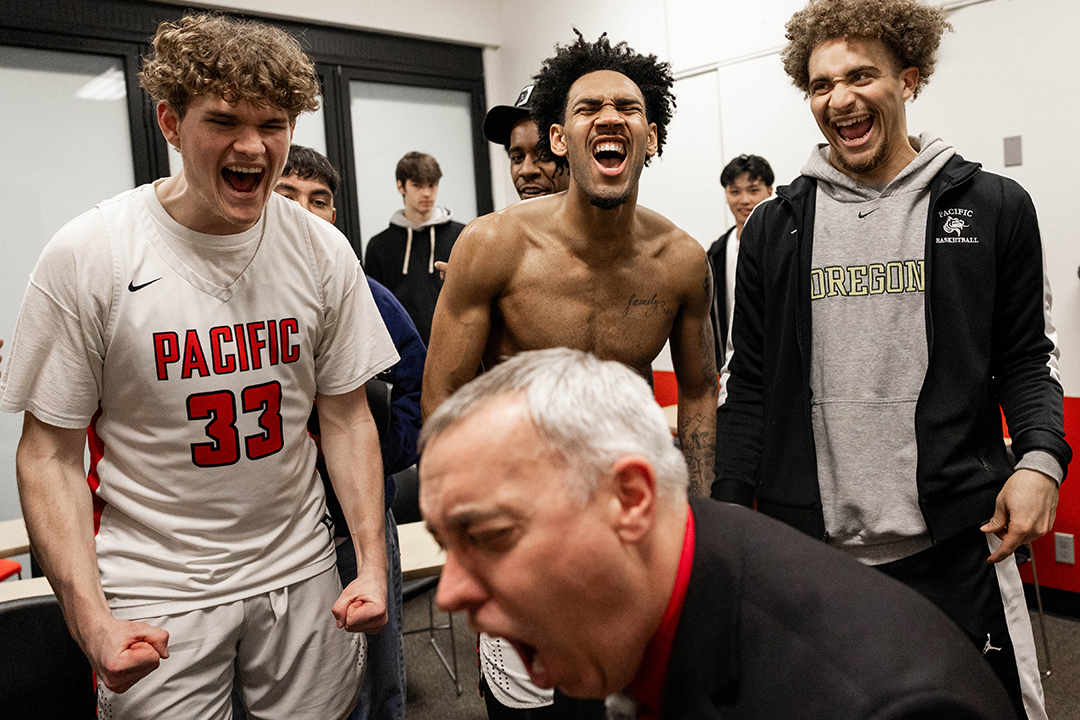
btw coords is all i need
(200, 448)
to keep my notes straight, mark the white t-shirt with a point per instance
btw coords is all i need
(195, 359)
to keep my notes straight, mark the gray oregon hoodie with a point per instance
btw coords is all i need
(869, 353)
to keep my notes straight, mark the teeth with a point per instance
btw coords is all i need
(608, 147)
(845, 123)
(242, 169)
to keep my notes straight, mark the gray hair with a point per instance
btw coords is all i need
(592, 411)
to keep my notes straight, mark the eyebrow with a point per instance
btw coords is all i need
(864, 68)
(461, 520)
(225, 115)
(284, 184)
(847, 73)
(619, 101)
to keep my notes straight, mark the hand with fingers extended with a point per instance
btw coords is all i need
(361, 607)
(1024, 511)
(123, 652)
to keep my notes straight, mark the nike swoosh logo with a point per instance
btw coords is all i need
(132, 287)
(862, 215)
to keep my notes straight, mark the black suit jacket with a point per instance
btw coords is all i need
(776, 625)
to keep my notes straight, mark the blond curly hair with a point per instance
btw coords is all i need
(210, 54)
(910, 30)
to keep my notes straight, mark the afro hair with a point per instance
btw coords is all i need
(570, 62)
(910, 30)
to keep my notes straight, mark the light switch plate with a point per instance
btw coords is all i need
(1064, 549)
(1013, 151)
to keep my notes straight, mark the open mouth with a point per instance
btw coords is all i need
(537, 671)
(610, 156)
(242, 179)
(854, 129)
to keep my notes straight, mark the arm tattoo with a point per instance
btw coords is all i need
(708, 342)
(698, 437)
(698, 444)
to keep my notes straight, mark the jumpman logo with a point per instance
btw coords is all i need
(988, 646)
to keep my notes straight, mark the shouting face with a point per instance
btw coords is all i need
(605, 136)
(857, 97)
(233, 154)
(526, 558)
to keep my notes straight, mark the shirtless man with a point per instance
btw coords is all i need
(588, 268)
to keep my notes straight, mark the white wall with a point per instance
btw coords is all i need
(473, 22)
(55, 169)
(1010, 68)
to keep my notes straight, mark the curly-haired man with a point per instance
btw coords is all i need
(588, 268)
(191, 323)
(888, 302)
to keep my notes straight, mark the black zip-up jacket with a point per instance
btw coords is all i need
(987, 341)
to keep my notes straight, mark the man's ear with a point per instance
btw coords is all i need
(653, 144)
(169, 122)
(401, 188)
(333, 216)
(634, 489)
(910, 78)
(557, 140)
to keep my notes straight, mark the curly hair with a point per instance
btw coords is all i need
(910, 30)
(210, 54)
(570, 62)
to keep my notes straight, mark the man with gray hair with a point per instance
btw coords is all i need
(553, 485)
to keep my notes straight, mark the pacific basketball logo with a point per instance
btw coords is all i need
(954, 224)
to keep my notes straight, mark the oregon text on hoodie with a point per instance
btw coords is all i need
(403, 257)
(869, 356)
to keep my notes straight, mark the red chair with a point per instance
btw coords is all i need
(9, 568)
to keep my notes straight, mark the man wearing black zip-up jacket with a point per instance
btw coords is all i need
(887, 303)
(967, 377)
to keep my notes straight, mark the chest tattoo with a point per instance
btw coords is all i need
(648, 305)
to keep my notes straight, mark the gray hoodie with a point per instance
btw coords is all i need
(869, 355)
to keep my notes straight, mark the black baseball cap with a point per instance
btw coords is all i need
(501, 119)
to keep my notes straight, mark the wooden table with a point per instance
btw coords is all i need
(421, 556)
(13, 538)
(671, 412)
(17, 589)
